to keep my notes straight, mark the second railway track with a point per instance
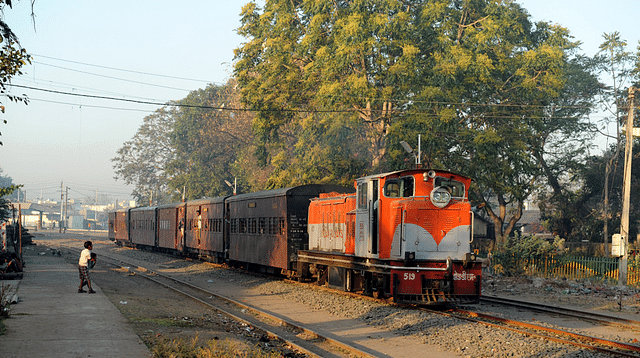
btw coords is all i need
(602, 319)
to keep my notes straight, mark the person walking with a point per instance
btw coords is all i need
(83, 267)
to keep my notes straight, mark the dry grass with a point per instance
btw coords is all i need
(178, 348)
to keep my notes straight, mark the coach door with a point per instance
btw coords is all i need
(367, 222)
(180, 219)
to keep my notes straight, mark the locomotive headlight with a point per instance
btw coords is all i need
(440, 196)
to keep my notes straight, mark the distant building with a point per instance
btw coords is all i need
(46, 214)
(530, 225)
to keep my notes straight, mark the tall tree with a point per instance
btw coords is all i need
(307, 59)
(142, 161)
(615, 63)
(209, 136)
(531, 127)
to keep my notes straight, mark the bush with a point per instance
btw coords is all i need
(518, 250)
(5, 305)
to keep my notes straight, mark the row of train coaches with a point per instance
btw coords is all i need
(404, 234)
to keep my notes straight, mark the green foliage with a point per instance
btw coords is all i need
(12, 58)
(517, 250)
(591, 209)
(142, 161)
(586, 211)
(212, 141)
(309, 62)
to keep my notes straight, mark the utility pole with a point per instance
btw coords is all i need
(61, 206)
(66, 208)
(626, 191)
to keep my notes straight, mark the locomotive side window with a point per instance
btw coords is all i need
(362, 196)
(457, 188)
(399, 188)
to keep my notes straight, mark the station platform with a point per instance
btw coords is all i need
(51, 319)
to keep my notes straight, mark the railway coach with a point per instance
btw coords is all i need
(268, 228)
(119, 225)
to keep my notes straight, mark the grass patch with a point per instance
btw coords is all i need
(165, 322)
(165, 348)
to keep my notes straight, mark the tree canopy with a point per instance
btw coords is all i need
(495, 96)
(142, 161)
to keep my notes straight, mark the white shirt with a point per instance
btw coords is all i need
(85, 255)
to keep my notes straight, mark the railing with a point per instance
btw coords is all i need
(571, 268)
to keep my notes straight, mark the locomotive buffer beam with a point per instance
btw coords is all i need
(359, 263)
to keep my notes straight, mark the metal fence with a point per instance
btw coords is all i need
(568, 267)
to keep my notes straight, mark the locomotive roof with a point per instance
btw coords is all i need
(418, 170)
(309, 189)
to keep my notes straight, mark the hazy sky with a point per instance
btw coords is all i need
(154, 51)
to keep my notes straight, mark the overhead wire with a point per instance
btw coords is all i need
(160, 103)
(289, 110)
(115, 78)
(124, 70)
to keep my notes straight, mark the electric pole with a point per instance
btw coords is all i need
(626, 191)
(66, 208)
(61, 206)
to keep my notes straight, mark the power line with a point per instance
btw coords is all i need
(177, 104)
(123, 70)
(91, 106)
(74, 87)
(353, 110)
(114, 78)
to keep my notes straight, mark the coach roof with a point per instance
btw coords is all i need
(302, 190)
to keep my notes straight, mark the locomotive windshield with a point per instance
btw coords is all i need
(399, 188)
(457, 188)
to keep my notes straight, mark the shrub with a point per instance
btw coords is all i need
(518, 251)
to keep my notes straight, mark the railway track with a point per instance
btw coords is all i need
(617, 349)
(597, 318)
(302, 339)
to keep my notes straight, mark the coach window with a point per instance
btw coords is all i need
(242, 226)
(234, 226)
(262, 225)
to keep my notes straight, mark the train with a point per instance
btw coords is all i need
(404, 235)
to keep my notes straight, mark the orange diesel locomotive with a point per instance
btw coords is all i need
(406, 234)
